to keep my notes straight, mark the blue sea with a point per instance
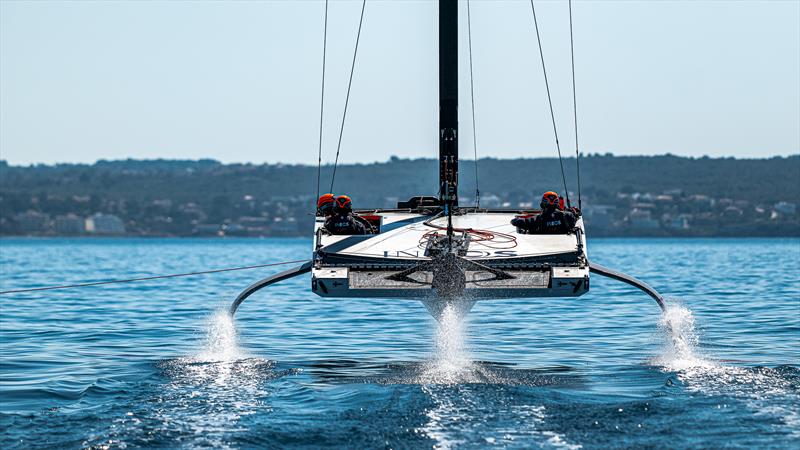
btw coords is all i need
(160, 364)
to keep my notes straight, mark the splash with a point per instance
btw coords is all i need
(212, 390)
(221, 343)
(681, 350)
(765, 390)
(451, 353)
(451, 361)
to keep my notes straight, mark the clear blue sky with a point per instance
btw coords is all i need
(240, 81)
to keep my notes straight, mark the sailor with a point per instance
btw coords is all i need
(552, 220)
(325, 205)
(342, 220)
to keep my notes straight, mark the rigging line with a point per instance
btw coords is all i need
(550, 102)
(575, 106)
(472, 99)
(347, 98)
(157, 277)
(322, 96)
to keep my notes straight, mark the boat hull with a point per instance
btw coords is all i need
(508, 264)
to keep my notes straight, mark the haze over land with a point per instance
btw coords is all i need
(660, 195)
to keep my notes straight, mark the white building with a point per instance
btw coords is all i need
(69, 224)
(105, 224)
(786, 208)
(641, 219)
(32, 222)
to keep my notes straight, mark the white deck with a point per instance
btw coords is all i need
(404, 241)
(536, 261)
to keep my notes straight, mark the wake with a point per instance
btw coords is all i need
(768, 391)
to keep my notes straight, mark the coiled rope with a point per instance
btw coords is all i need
(156, 277)
(491, 239)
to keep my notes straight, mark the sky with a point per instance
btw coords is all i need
(240, 81)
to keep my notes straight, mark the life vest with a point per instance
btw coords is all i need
(344, 224)
(548, 222)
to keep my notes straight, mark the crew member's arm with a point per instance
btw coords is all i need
(368, 227)
(570, 220)
(357, 226)
(329, 225)
(518, 222)
(529, 224)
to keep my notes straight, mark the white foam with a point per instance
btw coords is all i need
(457, 415)
(451, 350)
(681, 350)
(451, 361)
(702, 374)
(221, 343)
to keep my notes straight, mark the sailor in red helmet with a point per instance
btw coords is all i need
(552, 219)
(325, 205)
(342, 220)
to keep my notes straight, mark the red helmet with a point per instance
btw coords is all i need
(561, 204)
(549, 200)
(342, 205)
(325, 203)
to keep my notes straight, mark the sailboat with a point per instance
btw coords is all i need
(435, 250)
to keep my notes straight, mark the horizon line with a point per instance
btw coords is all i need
(392, 158)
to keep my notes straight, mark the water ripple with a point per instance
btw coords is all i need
(162, 365)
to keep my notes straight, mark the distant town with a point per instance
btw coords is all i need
(141, 198)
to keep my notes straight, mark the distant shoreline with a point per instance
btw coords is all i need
(655, 196)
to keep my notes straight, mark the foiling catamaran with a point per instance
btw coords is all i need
(432, 249)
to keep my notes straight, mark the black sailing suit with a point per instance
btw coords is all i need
(550, 221)
(344, 224)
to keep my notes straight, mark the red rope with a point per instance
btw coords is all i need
(499, 241)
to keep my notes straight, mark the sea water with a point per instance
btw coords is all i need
(160, 363)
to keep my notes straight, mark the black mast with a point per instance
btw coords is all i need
(448, 104)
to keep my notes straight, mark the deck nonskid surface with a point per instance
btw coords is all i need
(407, 240)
